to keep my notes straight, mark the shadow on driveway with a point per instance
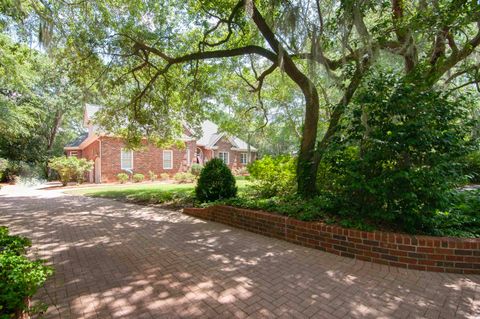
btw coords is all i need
(118, 260)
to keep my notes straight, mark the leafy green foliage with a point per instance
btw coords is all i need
(184, 177)
(122, 178)
(23, 173)
(164, 176)
(471, 164)
(152, 176)
(196, 169)
(273, 176)
(19, 277)
(401, 156)
(137, 178)
(15, 244)
(3, 167)
(39, 105)
(71, 168)
(461, 218)
(216, 182)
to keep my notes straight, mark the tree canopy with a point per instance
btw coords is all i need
(157, 64)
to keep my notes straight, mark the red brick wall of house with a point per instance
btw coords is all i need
(91, 151)
(224, 145)
(207, 154)
(72, 152)
(145, 160)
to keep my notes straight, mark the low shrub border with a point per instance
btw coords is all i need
(440, 254)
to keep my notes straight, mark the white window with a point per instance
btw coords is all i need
(188, 157)
(126, 157)
(73, 153)
(223, 156)
(167, 159)
(243, 158)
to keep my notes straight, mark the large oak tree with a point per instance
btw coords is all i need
(161, 57)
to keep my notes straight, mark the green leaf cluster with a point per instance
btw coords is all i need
(19, 277)
(401, 155)
(216, 182)
(71, 168)
(273, 176)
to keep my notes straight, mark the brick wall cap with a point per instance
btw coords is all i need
(339, 229)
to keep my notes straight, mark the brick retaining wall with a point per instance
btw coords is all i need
(441, 254)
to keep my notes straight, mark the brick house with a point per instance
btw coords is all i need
(110, 156)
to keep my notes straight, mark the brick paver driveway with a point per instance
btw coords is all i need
(121, 260)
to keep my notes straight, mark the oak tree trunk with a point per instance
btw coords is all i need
(306, 166)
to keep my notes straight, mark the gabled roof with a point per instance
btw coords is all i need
(209, 133)
(77, 141)
(89, 112)
(209, 137)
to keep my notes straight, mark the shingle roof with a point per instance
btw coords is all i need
(210, 133)
(78, 140)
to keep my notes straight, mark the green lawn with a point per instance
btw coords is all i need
(171, 194)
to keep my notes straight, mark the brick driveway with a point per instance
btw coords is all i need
(117, 260)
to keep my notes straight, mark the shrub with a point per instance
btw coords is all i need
(184, 178)
(400, 157)
(196, 169)
(152, 176)
(242, 171)
(461, 219)
(20, 277)
(82, 167)
(137, 178)
(472, 166)
(216, 182)
(122, 178)
(3, 167)
(164, 176)
(19, 171)
(71, 168)
(273, 176)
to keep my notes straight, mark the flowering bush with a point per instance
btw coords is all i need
(71, 168)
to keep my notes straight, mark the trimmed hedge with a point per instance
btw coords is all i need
(216, 182)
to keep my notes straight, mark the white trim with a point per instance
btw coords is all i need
(73, 153)
(97, 170)
(212, 144)
(246, 158)
(189, 159)
(90, 139)
(171, 159)
(252, 149)
(228, 157)
(123, 150)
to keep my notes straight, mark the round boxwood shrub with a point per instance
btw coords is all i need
(216, 182)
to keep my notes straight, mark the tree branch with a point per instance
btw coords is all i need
(404, 36)
(439, 69)
(229, 22)
(264, 74)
